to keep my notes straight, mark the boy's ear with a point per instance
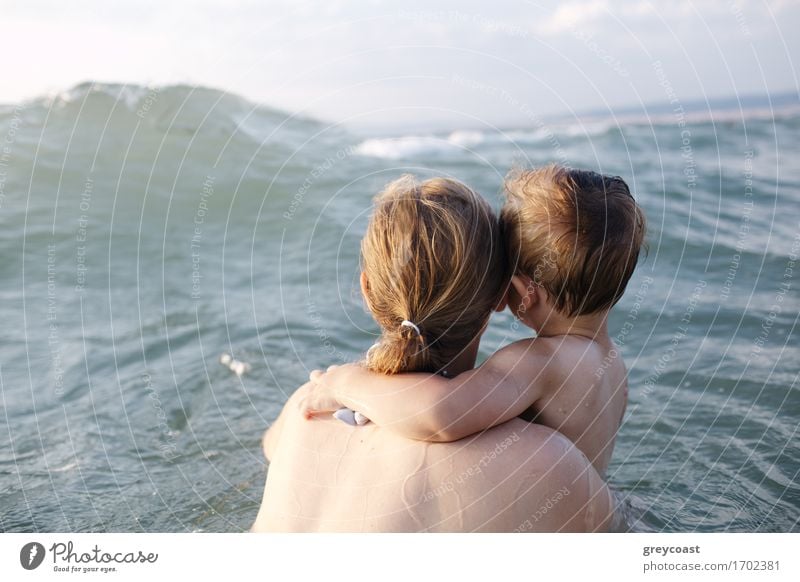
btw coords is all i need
(526, 290)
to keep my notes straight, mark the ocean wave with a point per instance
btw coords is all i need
(173, 109)
(559, 133)
(409, 146)
(395, 148)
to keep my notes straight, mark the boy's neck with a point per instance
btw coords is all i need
(593, 327)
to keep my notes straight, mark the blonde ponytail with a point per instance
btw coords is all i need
(399, 351)
(435, 265)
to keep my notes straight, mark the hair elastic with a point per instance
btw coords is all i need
(412, 325)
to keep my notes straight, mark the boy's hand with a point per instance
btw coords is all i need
(321, 397)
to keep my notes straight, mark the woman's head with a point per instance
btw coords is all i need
(432, 257)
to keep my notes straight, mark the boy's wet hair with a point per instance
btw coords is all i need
(576, 233)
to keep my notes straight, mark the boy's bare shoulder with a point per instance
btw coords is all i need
(529, 356)
(529, 348)
(547, 357)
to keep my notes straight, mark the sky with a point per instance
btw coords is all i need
(412, 63)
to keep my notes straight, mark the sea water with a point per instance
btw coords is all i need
(147, 231)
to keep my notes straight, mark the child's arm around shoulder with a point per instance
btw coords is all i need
(433, 408)
(272, 436)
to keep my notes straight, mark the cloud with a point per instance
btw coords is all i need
(572, 15)
(368, 58)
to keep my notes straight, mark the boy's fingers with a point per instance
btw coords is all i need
(315, 375)
(308, 409)
(312, 414)
(317, 405)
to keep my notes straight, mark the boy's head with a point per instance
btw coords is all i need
(575, 234)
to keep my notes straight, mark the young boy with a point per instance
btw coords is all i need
(573, 237)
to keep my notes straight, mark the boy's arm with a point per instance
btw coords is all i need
(430, 407)
(272, 436)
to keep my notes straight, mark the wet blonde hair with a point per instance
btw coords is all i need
(433, 256)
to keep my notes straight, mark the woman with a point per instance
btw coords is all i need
(433, 268)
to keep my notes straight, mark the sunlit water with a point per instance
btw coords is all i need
(147, 232)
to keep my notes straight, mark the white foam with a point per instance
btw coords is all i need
(463, 140)
(587, 128)
(236, 366)
(395, 148)
(459, 141)
(466, 138)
